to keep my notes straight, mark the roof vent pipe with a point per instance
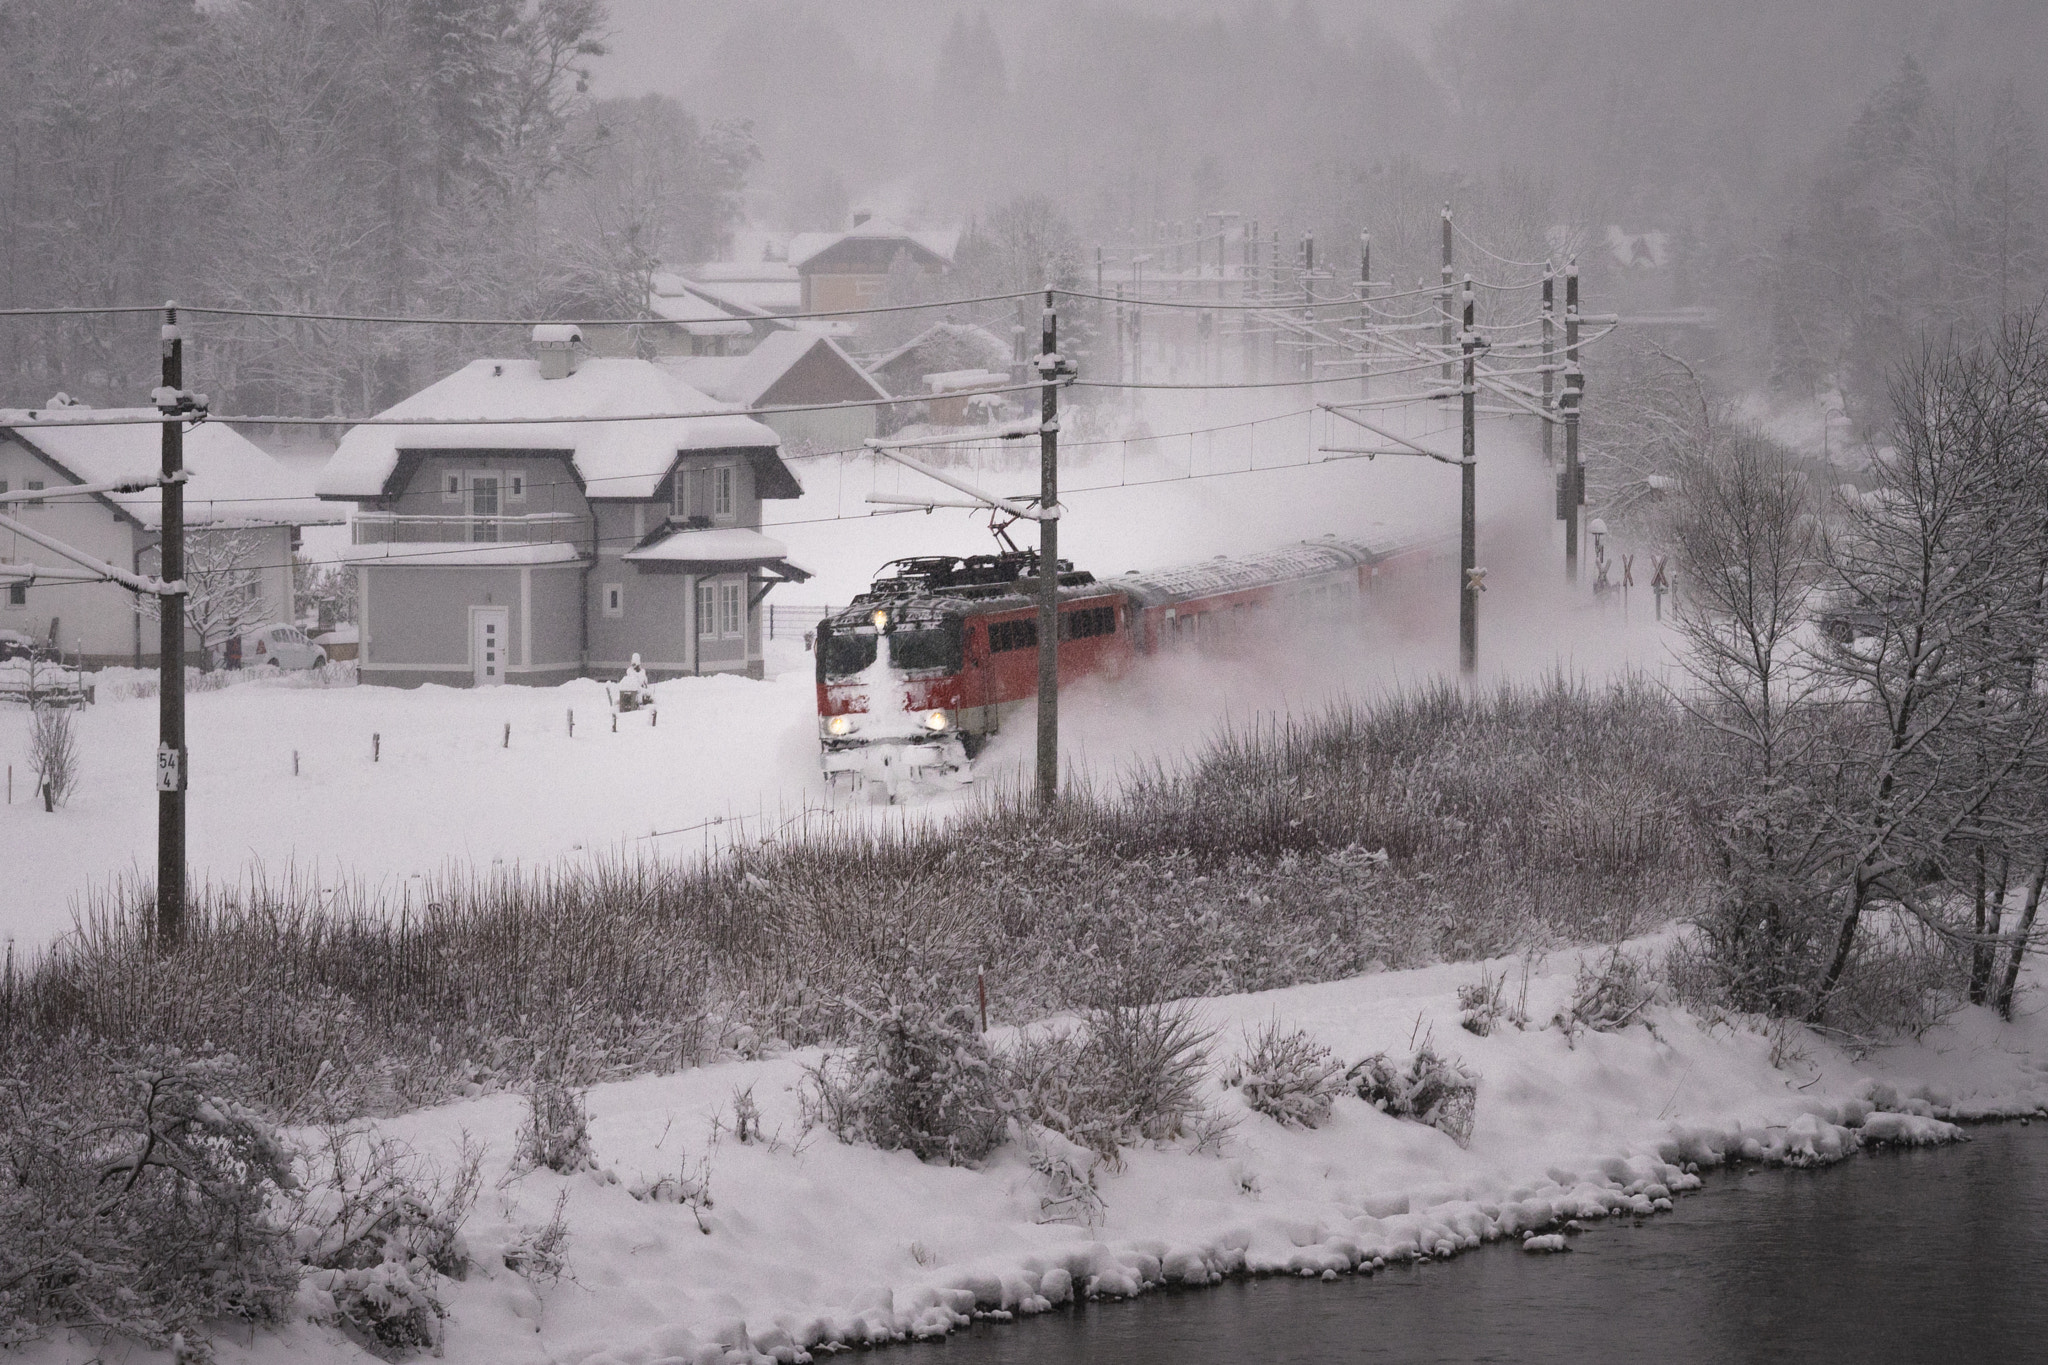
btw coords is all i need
(556, 345)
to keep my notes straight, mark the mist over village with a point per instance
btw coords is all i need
(717, 681)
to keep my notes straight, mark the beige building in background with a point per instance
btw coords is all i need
(234, 489)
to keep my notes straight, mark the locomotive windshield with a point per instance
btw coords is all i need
(926, 646)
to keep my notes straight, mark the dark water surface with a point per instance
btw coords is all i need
(1912, 1256)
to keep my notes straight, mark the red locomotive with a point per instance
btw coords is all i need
(922, 669)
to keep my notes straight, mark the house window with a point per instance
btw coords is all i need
(34, 486)
(693, 493)
(731, 597)
(721, 496)
(614, 599)
(515, 485)
(17, 594)
(451, 487)
(707, 611)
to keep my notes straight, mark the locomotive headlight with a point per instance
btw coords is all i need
(937, 720)
(880, 618)
(839, 725)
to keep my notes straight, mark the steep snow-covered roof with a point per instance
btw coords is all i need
(759, 286)
(746, 379)
(677, 300)
(233, 481)
(965, 339)
(807, 246)
(506, 405)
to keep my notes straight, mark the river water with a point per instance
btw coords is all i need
(1900, 1256)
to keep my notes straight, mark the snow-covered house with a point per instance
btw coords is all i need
(790, 368)
(851, 269)
(942, 348)
(684, 318)
(535, 520)
(236, 495)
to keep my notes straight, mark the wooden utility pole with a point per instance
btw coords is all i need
(1549, 360)
(1469, 573)
(1122, 325)
(1049, 369)
(1365, 353)
(1574, 392)
(1308, 305)
(1444, 303)
(170, 752)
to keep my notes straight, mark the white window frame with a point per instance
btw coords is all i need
(614, 599)
(724, 492)
(732, 608)
(513, 484)
(707, 609)
(453, 485)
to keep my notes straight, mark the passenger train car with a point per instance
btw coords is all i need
(922, 669)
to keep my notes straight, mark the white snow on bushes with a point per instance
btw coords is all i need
(800, 1243)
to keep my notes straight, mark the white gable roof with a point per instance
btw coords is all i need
(616, 459)
(745, 379)
(233, 481)
(804, 245)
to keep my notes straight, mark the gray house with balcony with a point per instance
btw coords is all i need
(536, 520)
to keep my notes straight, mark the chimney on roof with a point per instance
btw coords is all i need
(557, 346)
(861, 217)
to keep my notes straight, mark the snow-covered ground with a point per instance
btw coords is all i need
(806, 1241)
(447, 787)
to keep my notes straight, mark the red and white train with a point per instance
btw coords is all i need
(922, 669)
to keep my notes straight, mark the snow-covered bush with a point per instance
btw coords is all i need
(379, 1230)
(1066, 1172)
(690, 1186)
(557, 1129)
(541, 1253)
(1483, 1004)
(920, 1078)
(1133, 1073)
(1439, 1091)
(138, 1196)
(1288, 1076)
(1607, 997)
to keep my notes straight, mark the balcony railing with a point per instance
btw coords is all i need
(538, 528)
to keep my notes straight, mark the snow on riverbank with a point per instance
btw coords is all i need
(805, 1242)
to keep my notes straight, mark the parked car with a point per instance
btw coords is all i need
(274, 646)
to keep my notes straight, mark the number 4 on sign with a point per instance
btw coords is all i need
(170, 768)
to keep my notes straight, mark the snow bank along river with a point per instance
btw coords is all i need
(803, 1244)
(1901, 1256)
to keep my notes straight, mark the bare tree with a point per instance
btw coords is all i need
(224, 596)
(1938, 570)
(1747, 547)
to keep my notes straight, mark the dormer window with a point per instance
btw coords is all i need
(707, 494)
